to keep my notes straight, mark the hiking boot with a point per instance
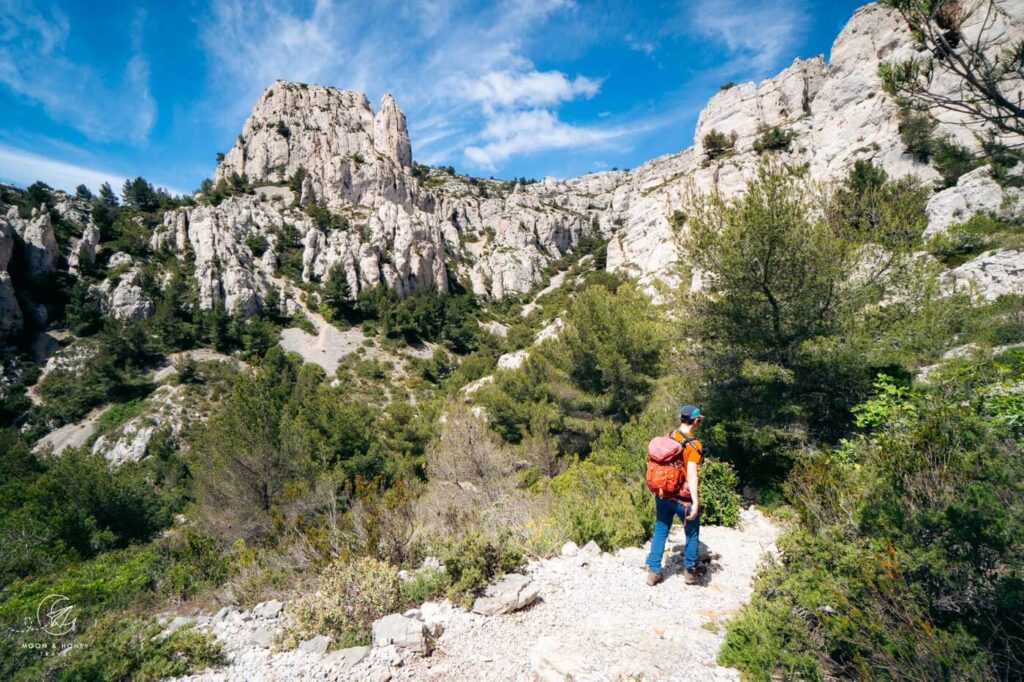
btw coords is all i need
(654, 578)
(692, 576)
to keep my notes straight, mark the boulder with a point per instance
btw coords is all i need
(122, 297)
(991, 275)
(176, 624)
(83, 250)
(591, 549)
(975, 193)
(261, 638)
(40, 244)
(570, 549)
(316, 645)
(268, 609)
(404, 633)
(343, 660)
(513, 592)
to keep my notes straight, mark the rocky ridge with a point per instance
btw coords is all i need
(410, 230)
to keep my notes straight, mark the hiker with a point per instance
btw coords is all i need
(672, 477)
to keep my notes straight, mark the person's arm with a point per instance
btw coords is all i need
(691, 480)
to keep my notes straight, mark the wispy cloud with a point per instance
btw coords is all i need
(509, 133)
(35, 66)
(530, 88)
(24, 168)
(757, 34)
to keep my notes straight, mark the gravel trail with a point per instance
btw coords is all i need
(596, 619)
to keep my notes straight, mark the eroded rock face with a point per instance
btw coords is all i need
(39, 241)
(220, 239)
(83, 249)
(991, 275)
(123, 298)
(975, 193)
(10, 312)
(411, 233)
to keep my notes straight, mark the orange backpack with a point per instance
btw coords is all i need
(666, 476)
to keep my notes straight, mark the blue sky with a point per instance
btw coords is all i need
(525, 88)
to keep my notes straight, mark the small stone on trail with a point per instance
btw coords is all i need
(511, 593)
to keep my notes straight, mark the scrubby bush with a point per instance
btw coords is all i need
(119, 647)
(424, 585)
(773, 139)
(351, 595)
(916, 130)
(592, 502)
(719, 499)
(909, 553)
(475, 559)
(718, 144)
(71, 506)
(978, 234)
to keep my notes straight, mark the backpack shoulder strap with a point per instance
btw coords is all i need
(690, 441)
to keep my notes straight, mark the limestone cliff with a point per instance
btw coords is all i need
(410, 231)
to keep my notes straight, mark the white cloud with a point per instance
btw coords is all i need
(24, 168)
(511, 133)
(530, 88)
(33, 65)
(757, 33)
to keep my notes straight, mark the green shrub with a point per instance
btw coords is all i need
(116, 416)
(773, 139)
(425, 585)
(351, 596)
(591, 502)
(718, 144)
(476, 559)
(952, 160)
(974, 236)
(257, 243)
(909, 552)
(916, 130)
(130, 648)
(719, 499)
(74, 506)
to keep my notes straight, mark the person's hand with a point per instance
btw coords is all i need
(694, 508)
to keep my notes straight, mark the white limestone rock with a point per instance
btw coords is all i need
(974, 193)
(11, 320)
(122, 297)
(511, 593)
(390, 136)
(83, 249)
(268, 609)
(403, 633)
(991, 275)
(40, 243)
(129, 446)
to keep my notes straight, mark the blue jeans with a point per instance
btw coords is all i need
(665, 511)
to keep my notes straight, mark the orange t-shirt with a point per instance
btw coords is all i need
(692, 451)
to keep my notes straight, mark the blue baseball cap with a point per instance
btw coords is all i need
(689, 413)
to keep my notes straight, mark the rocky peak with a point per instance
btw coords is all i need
(332, 134)
(390, 136)
(748, 108)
